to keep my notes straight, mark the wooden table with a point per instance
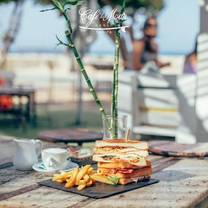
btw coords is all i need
(76, 135)
(29, 93)
(183, 183)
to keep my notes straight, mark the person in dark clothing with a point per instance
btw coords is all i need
(190, 65)
(146, 49)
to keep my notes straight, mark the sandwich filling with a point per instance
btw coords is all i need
(132, 158)
(103, 150)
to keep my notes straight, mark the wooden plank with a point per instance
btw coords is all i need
(160, 165)
(165, 120)
(6, 149)
(44, 197)
(155, 87)
(155, 157)
(19, 184)
(6, 165)
(23, 190)
(9, 174)
(155, 80)
(157, 98)
(185, 180)
(13, 181)
(184, 184)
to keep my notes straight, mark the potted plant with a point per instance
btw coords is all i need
(113, 125)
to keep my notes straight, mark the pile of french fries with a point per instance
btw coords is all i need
(80, 177)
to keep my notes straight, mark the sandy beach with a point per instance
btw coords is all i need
(57, 80)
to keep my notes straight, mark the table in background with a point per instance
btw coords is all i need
(74, 135)
(29, 93)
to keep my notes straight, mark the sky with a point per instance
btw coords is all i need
(178, 27)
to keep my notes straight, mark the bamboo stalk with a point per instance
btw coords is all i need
(72, 46)
(85, 75)
(114, 110)
(114, 104)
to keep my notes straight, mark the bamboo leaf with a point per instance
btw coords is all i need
(47, 10)
(72, 2)
(60, 42)
(58, 5)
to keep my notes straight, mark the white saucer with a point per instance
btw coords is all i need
(39, 167)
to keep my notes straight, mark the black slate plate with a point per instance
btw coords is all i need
(100, 190)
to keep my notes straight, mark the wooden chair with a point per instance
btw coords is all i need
(150, 102)
(165, 106)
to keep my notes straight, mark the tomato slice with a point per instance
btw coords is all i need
(125, 171)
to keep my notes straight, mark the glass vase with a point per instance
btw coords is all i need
(109, 130)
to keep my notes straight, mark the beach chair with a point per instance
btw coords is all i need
(149, 100)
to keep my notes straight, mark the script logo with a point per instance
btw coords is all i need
(89, 19)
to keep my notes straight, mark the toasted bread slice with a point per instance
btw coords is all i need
(122, 143)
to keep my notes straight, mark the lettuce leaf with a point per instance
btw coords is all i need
(114, 179)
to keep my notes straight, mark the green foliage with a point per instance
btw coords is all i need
(66, 2)
(131, 5)
(62, 2)
(151, 5)
(7, 1)
(72, 2)
(44, 2)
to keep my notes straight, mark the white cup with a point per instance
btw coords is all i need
(55, 158)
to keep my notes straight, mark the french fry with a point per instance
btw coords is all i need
(81, 187)
(86, 178)
(59, 181)
(89, 183)
(63, 176)
(81, 182)
(66, 176)
(81, 177)
(71, 182)
(81, 173)
(90, 171)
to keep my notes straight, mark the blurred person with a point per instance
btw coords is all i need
(146, 50)
(190, 64)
